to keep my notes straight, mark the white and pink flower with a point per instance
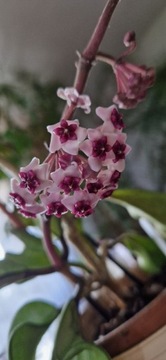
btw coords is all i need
(34, 177)
(83, 167)
(24, 200)
(53, 204)
(119, 151)
(112, 118)
(66, 135)
(67, 180)
(20, 196)
(31, 211)
(72, 96)
(81, 203)
(98, 148)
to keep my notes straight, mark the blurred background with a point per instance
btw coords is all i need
(38, 43)
(42, 37)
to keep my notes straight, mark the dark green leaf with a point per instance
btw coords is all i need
(33, 257)
(68, 332)
(142, 203)
(29, 325)
(69, 345)
(86, 351)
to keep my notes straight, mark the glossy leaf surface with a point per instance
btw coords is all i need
(69, 345)
(32, 258)
(142, 203)
(29, 325)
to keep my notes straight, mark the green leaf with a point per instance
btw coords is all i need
(86, 351)
(69, 345)
(33, 257)
(143, 203)
(149, 256)
(68, 331)
(29, 325)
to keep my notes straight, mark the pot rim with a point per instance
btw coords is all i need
(143, 324)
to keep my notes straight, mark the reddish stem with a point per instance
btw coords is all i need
(92, 47)
(108, 59)
(86, 59)
(48, 245)
(55, 259)
(16, 222)
(83, 66)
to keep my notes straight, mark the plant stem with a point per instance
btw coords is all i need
(131, 276)
(83, 66)
(64, 243)
(99, 31)
(16, 222)
(48, 245)
(128, 273)
(74, 236)
(95, 262)
(101, 310)
(55, 259)
(86, 59)
(108, 59)
(12, 277)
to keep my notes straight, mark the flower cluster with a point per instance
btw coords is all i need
(132, 81)
(83, 167)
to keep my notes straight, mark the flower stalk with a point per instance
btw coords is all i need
(86, 59)
(95, 262)
(14, 219)
(55, 259)
(84, 165)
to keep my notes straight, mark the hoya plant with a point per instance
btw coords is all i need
(79, 175)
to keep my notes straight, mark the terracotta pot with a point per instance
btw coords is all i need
(153, 348)
(149, 324)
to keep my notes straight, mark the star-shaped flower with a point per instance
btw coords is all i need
(53, 204)
(118, 153)
(81, 203)
(66, 135)
(98, 148)
(67, 180)
(20, 196)
(31, 211)
(112, 118)
(72, 96)
(34, 177)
